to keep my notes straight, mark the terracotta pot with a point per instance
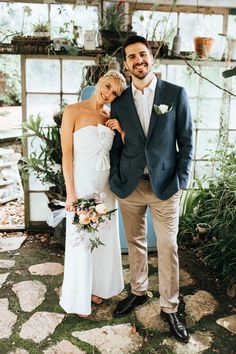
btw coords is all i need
(203, 46)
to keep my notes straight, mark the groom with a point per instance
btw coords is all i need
(149, 170)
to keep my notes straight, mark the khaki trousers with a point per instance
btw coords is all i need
(165, 218)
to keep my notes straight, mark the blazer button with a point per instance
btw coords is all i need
(143, 166)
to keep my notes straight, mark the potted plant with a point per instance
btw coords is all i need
(203, 46)
(41, 29)
(113, 30)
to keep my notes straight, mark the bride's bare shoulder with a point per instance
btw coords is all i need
(74, 107)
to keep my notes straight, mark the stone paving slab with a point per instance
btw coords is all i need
(198, 343)
(185, 278)
(149, 315)
(7, 319)
(40, 325)
(104, 311)
(30, 293)
(11, 243)
(198, 305)
(228, 323)
(117, 339)
(5, 263)
(19, 351)
(48, 268)
(3, 278)
(64, 347)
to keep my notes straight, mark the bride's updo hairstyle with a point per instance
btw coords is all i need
(118, 78)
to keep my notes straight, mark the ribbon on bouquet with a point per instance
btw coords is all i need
(55, 217)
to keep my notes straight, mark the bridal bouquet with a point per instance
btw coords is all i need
(89, 214)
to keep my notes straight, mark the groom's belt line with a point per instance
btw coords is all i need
(146, 177)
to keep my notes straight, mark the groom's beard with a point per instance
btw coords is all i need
(142, 74)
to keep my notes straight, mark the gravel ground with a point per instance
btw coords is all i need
(12, 213)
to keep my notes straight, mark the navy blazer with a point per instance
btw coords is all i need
(166, 151)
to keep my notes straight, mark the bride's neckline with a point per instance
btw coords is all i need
(91, 125)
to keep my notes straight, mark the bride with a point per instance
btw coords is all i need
(87, 135)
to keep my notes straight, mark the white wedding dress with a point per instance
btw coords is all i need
(85, 272)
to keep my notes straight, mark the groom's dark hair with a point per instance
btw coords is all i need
(132, 40)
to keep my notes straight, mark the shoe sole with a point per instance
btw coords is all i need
(172, 332)
(125, 314)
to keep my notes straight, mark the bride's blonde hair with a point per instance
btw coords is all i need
(118, 77)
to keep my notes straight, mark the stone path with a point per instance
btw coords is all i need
(31, 320)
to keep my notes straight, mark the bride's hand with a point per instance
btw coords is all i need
(114, 124)
(69, 202)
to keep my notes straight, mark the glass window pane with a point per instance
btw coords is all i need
(194, 105)
(203, 169)
(209, 113)
(160, 68)
(64, 17)
(36, 213)
(73, 74)
(206, 142)
(45, 105)
(201, 25)
(213, 73)
(34, 145)
(35, 184)
(155, 25)
(21, 17)
(42, 75)
(233, 81)
(183, 76)
(70, 98)
(231, 26)
(232, 137)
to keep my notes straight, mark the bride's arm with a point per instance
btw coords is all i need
(67, 129)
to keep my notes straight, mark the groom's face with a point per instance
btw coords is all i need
(138, 60)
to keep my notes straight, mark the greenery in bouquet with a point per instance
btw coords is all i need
(89, 214)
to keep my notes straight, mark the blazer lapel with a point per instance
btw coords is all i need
(158, 99)
(133, 113)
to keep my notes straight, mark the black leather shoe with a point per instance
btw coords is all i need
(177, 328)
(127, 305)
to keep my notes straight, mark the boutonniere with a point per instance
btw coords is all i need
(162, 109)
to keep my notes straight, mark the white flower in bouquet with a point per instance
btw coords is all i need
(101, 209)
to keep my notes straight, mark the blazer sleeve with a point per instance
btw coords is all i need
(184, 139)
(117, 147)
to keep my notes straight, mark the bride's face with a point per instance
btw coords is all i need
(107, 90)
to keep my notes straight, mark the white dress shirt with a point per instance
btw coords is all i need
(143, 102)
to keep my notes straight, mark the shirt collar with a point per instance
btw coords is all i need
(151, 86)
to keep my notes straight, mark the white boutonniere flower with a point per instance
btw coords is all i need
(162, 109)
